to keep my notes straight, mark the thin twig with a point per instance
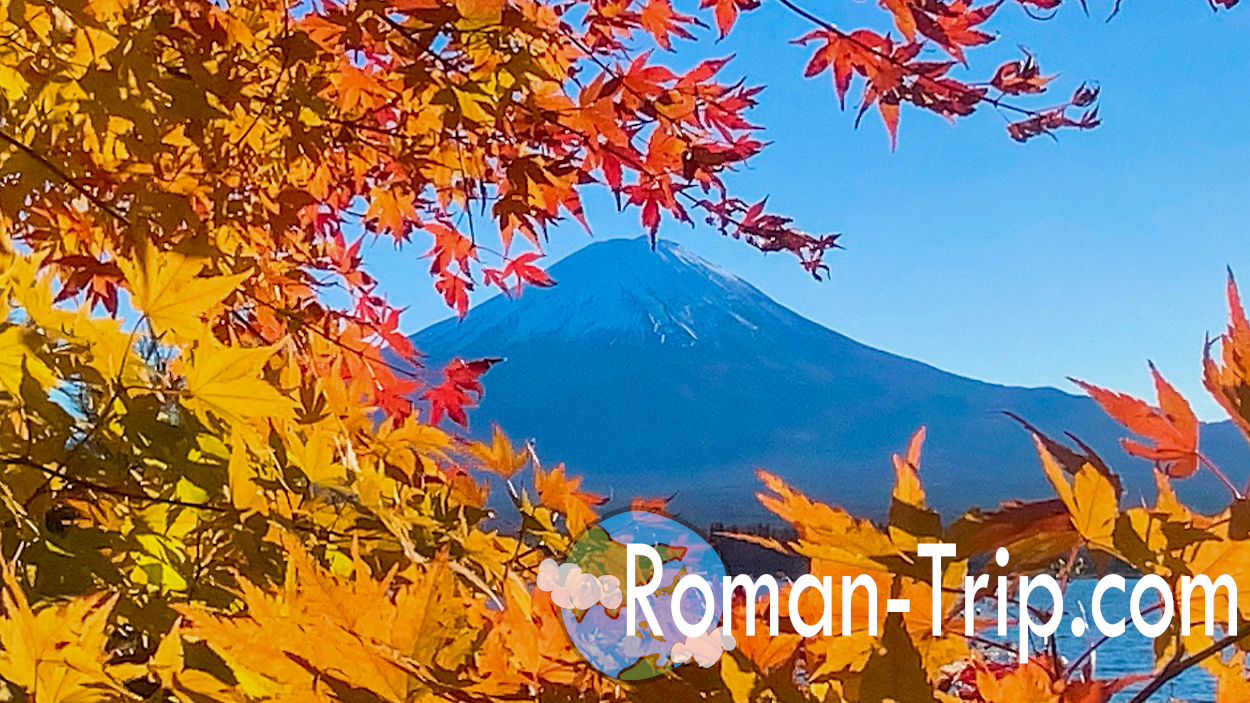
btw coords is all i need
(59, 173)
(117, 492)
(1178, 666)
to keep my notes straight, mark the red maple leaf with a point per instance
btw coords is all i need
(461, 388)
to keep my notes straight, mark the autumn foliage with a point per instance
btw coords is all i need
(226, 474)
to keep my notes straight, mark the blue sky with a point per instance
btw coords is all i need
(1018, 264)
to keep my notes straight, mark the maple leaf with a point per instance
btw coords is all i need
(227, 382)
(499, 456)
(98, 278)
(842, 53)
(56, 653)
(727, 12)
(455, 290)
(450, 246)
(1171, 429)
(391, 211)
(954, 28)
(1021, 77)
(357, 88)
(460, 388)
(388, 328)
(659, 18)
(824, 532)
(167, 288)
(1091, 500)
(563, 493)
(526, 273)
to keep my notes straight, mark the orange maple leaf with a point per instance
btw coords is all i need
(1229, 384)
(1171, 428)
(562, 493)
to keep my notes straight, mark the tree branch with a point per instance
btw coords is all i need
(56, 170)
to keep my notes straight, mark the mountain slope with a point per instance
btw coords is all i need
(654, 372)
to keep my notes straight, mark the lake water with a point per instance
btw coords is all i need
(1130, 653)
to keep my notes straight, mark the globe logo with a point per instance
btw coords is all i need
(589, 588)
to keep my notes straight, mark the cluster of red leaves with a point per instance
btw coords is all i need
(893, 74)
(460, 388)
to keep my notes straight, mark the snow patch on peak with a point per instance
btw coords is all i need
(623, 292)
(687, 258)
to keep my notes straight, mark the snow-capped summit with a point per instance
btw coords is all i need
(621, 292)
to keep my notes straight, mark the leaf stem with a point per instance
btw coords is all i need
(1219, 473)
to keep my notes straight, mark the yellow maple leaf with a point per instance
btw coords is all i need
(315, 458)
(827, 532)
(56, 653)
(18, 361)
(226, 382)
(499, 456)
(167, 287)
(563, 493)
(1090, 498)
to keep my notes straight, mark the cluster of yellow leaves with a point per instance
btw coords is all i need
(55, 652)
(156, 473)
(320, 631)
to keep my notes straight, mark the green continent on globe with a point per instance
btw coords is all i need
(597, 553)
(643, 669)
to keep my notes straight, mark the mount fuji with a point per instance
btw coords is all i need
(653, 372)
